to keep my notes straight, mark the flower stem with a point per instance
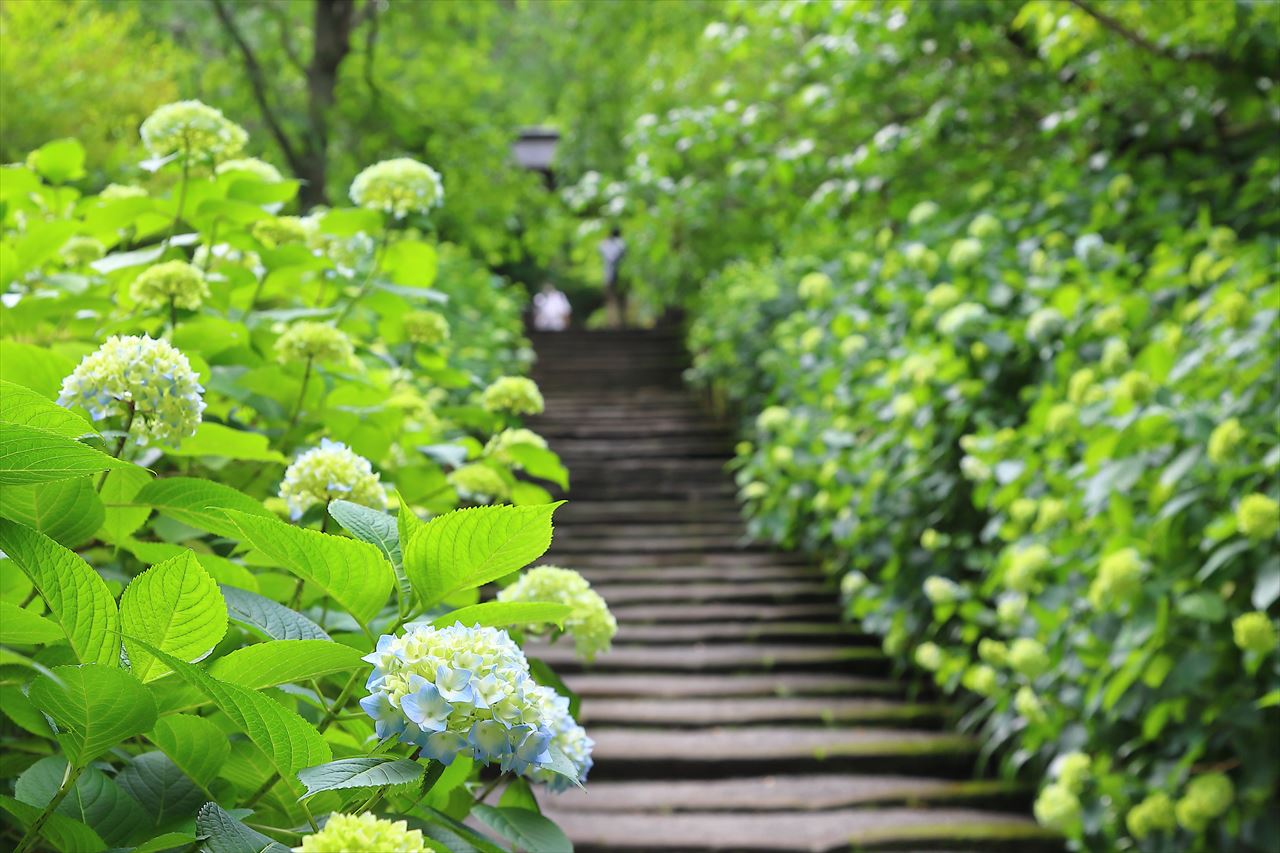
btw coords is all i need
(182, 197)
(130, 412)
(69, 778)
(173, 317)
(368, 279)
(302, 395)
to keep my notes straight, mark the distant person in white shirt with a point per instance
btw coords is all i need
(612, 249)
(551, 309)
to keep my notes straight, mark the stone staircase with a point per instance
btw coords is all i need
(736, 712)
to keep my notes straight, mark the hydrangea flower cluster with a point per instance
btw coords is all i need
(329, 472)
(964, 253)
(1044, 325)
(1207, 797)
(149, 376)
(1028, 657)
(1253, 632)
(115, 192)
(81, 250)
(1258, 516)
(590, 623)
(363, 833)
(312, 341)
(1057, 807)
(940, 590)
(772, 419)
(498, 445)
(279, 231)
(193, 128)
(1154, 814)
(172, 281)
(567, 736)
(1024, 567)
(815, 288)
(961, 319)
(458, 690)
(515, 395)
(1224, 439)
(399, 187)
(479, 484)
(429, 328)
(1119, 579)
(260, 169)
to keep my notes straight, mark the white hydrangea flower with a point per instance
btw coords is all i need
(172, 281)
(478, 483)
(363, 833)
(114, 192)
(149, 376)
(590, 623)
(458, 690)
(429, 328)
(193, 128)
(329, 472)
(516, 395)
(260, 169)
(499, 446)
(312, 341)
(399, 187)
(567, 736)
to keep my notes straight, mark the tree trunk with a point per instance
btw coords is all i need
(334, 20)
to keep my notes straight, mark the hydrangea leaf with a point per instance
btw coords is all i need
(176, 607)
(95, 707)
(32, 455)
(224, 834)
(288, 742)
(215, 439)
(369, 525)
(500, 614)
(161, 787)
(372, 772)
(524, 827)
(199, 503)
(95, 800)
(78, 599)
(352, 573)
(470, 547)
(37, 368)
(272, 619)
(64, 834)
(68, 511)
(195, 744)
(121, 517)
(561, 764)
(540, 463)
(21, 405)
(21, 627)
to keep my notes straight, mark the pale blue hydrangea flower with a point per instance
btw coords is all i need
(329, 472)
(589, 622)
(194, 128)
(459, 690)
(399, 187)
(567, 736)
(150, 376)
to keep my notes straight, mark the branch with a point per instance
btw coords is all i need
(1137, 39)
(259, 85)
(370, 13)
(286, 38)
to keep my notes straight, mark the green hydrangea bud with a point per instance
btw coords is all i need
(1044, 325)
(852, 345)
(1010, 609)
(1028, 657)
(975, 469)
(1051, 511)
(279, 231)
(923, 212)
(330, 472)
(1135, 387)
(744, 448)
(478, 483)
(979, 351)
(942, 297)
(81, 251)
(852, 583)
(363, 833)
(1119, 579)
(1028, 705)
(311, 341)
(1224, 439)
(1022, 510)
(964, 253)
(772, 419)
(115, 192)
(984, 225)
(932, 540)
(781, 456)
(1154, 814)
(499, 446)
(903, 406)
(811, 339)
(754, 490)
(962, 319)
(1073, 770)
(1206, 797)
(513, 394)
(993, 652)
(941, 590)
(1058, 808)
(929, 656)
(149, 377)
(1119, 187)
(815, 288)
(194, 129)
(1234, 308)
(920, 257)
(1258, 516)
(398, 187)
(1079, 385)
(429, 328)
(260, 169)
(172, 281)
(1025, 566)
(1109, 320)
(1254, 632)
(1061, 417)
(981, 679)
(590, 623)
(1115, 354)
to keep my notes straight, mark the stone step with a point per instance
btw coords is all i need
(737, 711)
(656, 511)
(697, 574)
(625, 431)
(728, 752)
(677, 558)
(762, 613)
(622, 593)
(675, 686)
(639, 546)
(612, 530)
(736, 657)
(785, 793)
(705, 632)
(621, 490)
(803, 832)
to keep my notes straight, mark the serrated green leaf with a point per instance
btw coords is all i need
(352, 573)
(528, 829)
(224, 834)
(369, 525)
(22, 405)
(95, 707)
(176, 607)
(121, 515)
(95, 800)
(470, 547)
(284, 661)
(215, 439)
(500, 614)
(21, 627)
(199, 503)
(195, 744)
(77, 597)
(33, 367)
(540, 462)
(372, 772)
(67, 511)
(288, 742)
(272, 619)
(162, 789)
(560, 764)
(31, 455)
(166, 841)
(64, 834)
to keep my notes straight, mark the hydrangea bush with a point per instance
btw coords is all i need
(237, 439)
